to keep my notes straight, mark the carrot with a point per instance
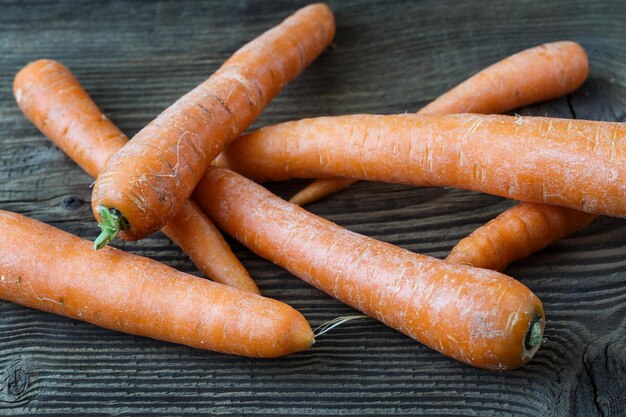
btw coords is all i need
(516, 234)
(474, 315)
(537, 74)
(52, 98)
(45, 268)
(147, 182)
(319, 189)
(572, 163)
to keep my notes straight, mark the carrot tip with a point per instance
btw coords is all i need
(112, 224)
(331, 324)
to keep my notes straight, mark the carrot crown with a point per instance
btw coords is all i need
(534, 334)
(112, 223)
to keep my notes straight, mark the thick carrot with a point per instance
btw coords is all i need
(45, 268)
(572, 163)
(145, 184)
(537, 74)
(516, 234)
(474, 315)
(52, 98)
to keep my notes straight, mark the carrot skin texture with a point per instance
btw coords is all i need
(150, 178)
(474, 315)
(537, 74)
(517, 233)
(571, 163)
(55, 102)
(47, 269)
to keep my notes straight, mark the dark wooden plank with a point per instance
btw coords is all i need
(137, 57)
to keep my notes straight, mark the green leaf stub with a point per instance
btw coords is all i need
(112, 223)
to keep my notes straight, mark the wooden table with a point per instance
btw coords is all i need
(136, 58)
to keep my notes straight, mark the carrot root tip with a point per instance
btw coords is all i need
(113, 222)
(331, 324)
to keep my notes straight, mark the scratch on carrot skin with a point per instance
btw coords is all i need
(494, 247)
(578, 132)
(497, 303)
(138, 199)
(174, 173)
(428, 293)
(527, 230)
(396, 285)
(596, 139)
(68, 89)
(364, 149)
(19, 282)
(474, 126)
(513, 317)
(429, 155)
(613, 153)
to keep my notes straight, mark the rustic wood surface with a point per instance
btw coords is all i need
(135, 58)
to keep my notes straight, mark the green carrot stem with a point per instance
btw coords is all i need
(112, 223)
(534, 334)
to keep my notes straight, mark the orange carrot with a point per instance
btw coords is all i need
(516, 234)
(474, 315)
(52, 98)
(537, 74)
(45, 268)
(147, 182)
(319, 189)
(571, 163)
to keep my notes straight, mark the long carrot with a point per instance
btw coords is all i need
(145, 184)
(572, 163)
(474, 315)
(537, 74)
(52, 98)
(517, 233)
(45, 268)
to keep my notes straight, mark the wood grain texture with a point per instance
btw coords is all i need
(136, 58)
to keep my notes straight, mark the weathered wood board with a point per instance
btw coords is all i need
(135, 58)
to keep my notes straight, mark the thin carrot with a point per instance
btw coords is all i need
(543, 73)
(145, 184)
(516, 234)
(320, 188)
(45, 268)
(53, 99)
(537, 74)
(571, 163)
(474, 315)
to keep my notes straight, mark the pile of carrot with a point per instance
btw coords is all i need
(564, 172)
